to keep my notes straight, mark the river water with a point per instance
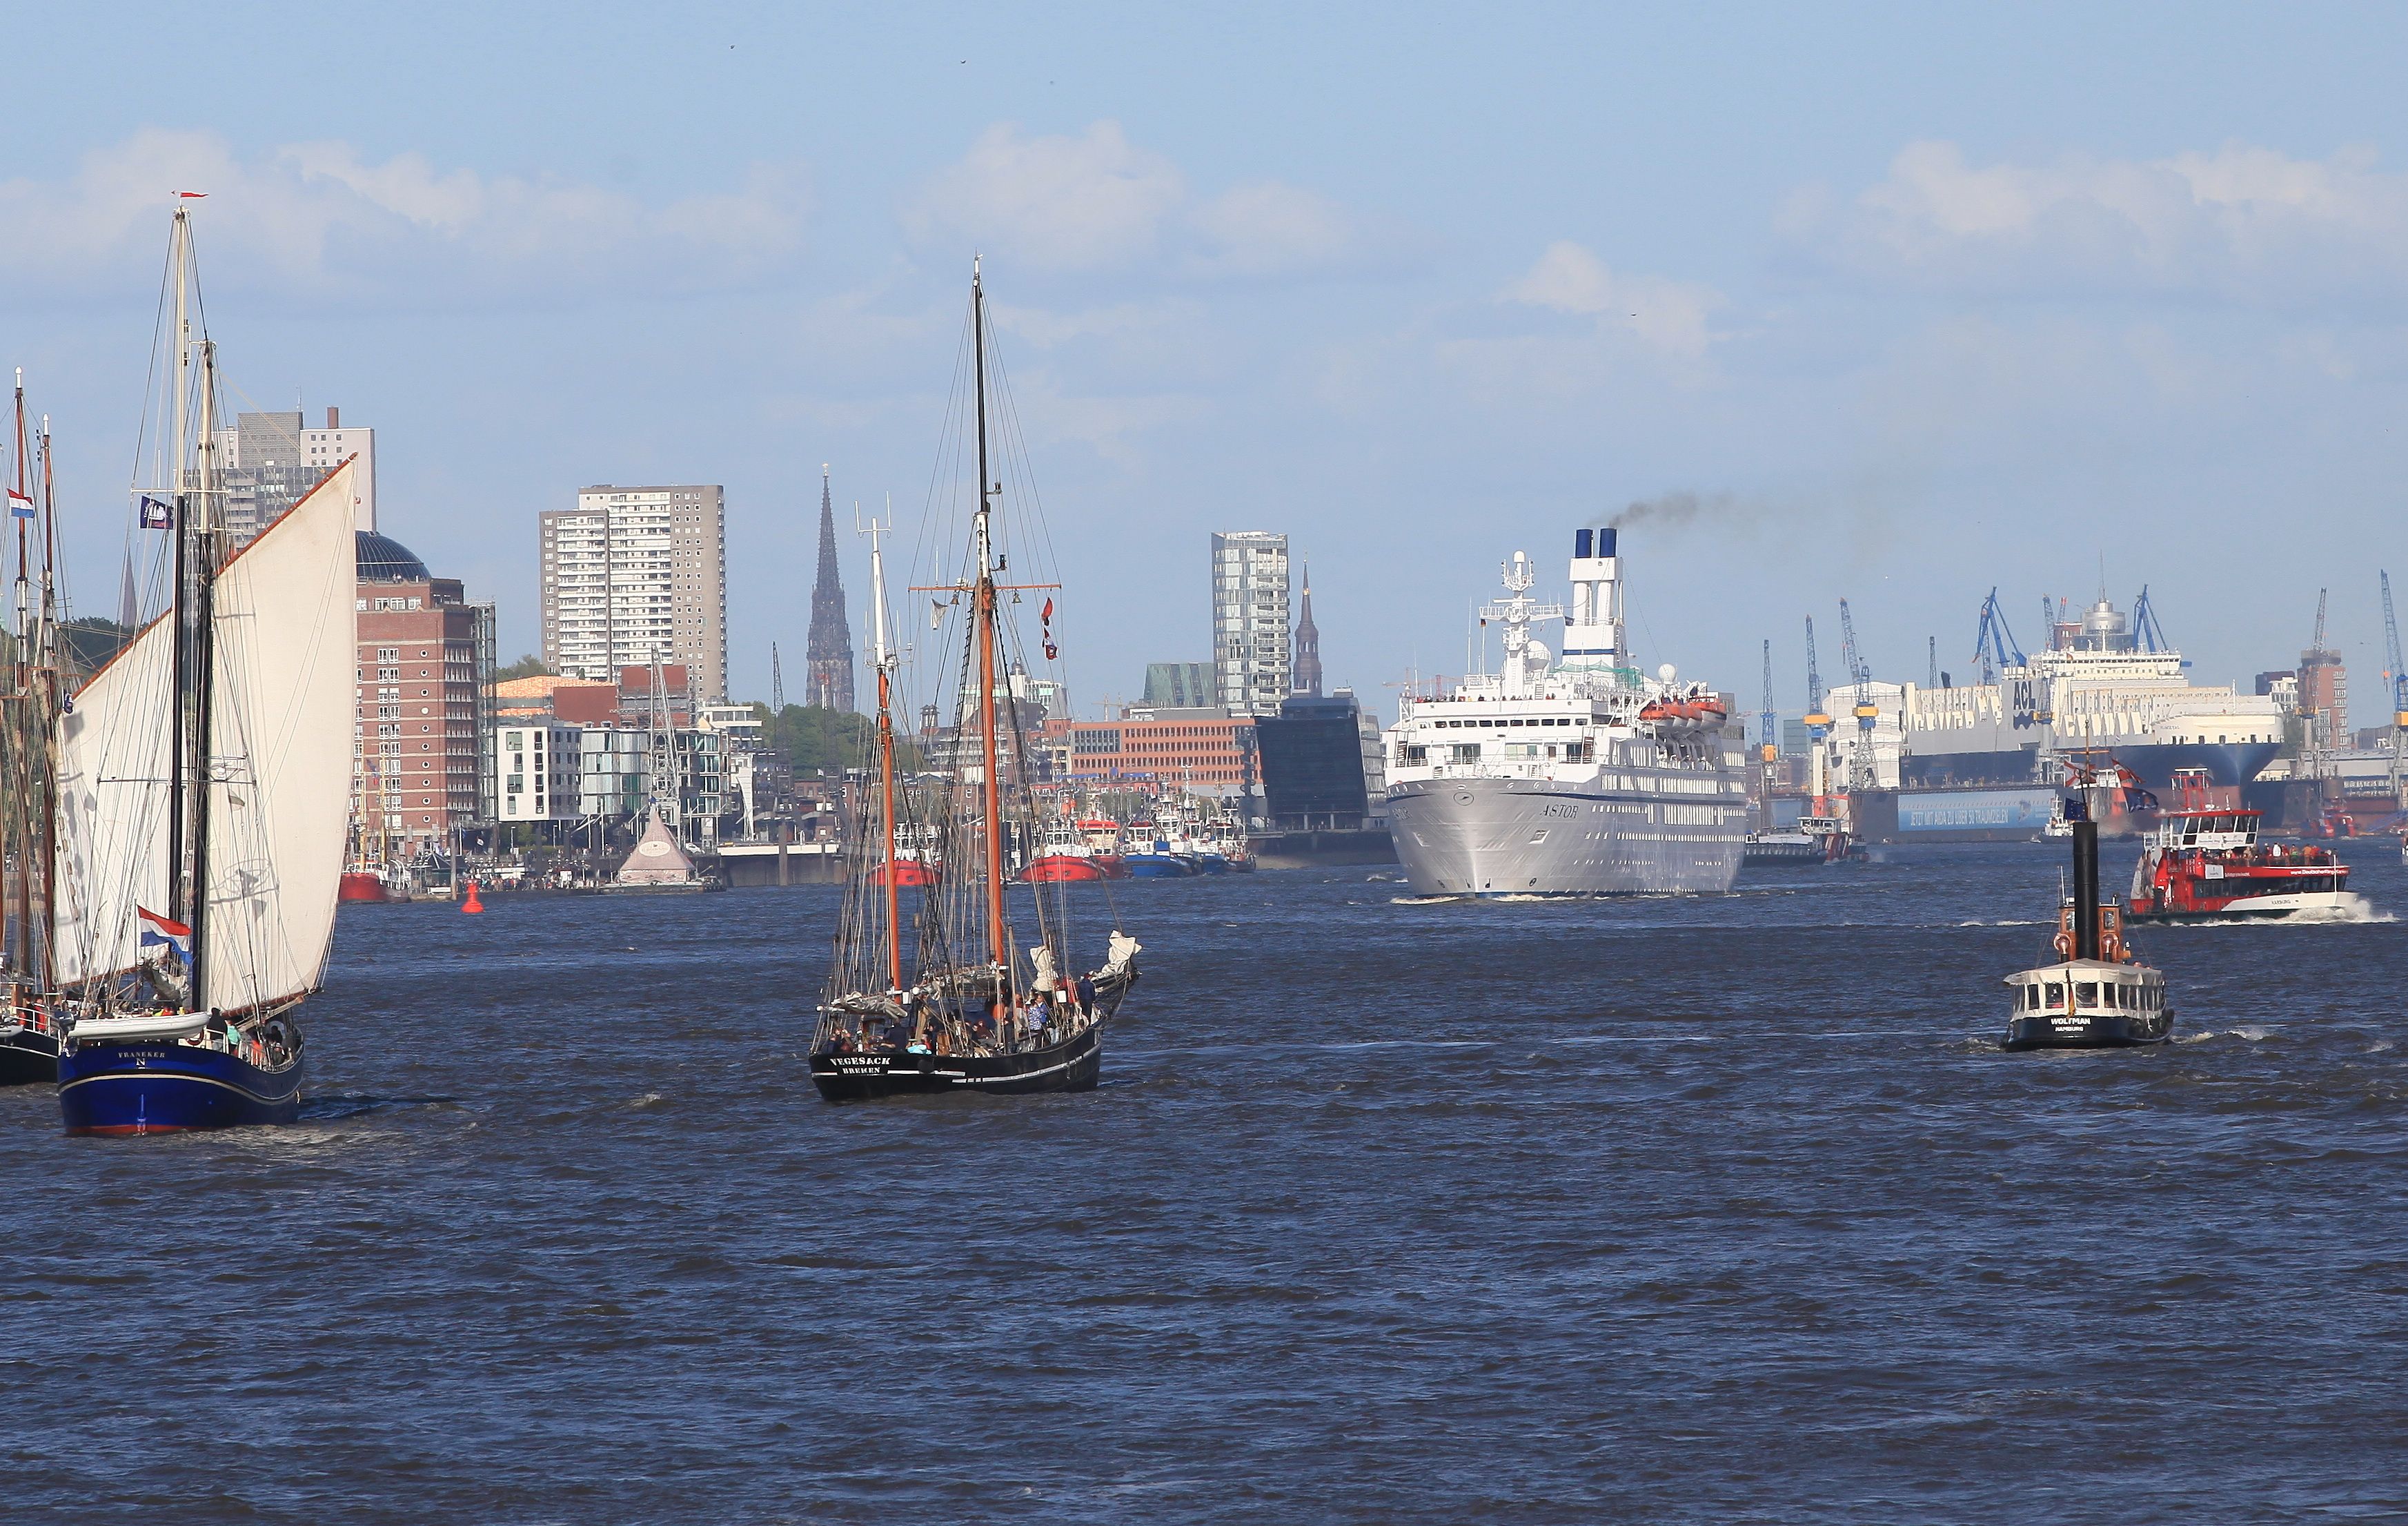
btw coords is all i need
(1682, 1210)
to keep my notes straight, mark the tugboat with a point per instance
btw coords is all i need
(2096, 995)
(963, 1008)
(2203, 863)
(206, 768)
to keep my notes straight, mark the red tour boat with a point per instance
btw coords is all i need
(2202, 862)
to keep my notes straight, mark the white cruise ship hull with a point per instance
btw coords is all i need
(1551, 837)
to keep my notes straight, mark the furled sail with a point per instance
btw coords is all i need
(113, 807)
(284, 698)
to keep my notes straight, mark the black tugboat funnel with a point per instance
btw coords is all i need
(2086, 879)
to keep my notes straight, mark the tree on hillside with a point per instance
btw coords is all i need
(529, 666)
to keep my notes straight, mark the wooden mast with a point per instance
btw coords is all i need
(52, 684)
(885, 754)
(177, 904)
(998, 942)
(19, 719)
(205, 576)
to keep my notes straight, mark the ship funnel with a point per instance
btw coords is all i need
(2085, 877)
(1593, 628)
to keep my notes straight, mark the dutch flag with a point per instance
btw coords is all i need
(159, 932)
(21, 504)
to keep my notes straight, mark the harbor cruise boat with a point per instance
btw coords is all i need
(1584, 777)
(2202, 862)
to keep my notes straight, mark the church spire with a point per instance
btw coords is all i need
(1307, 643)
(829, 654)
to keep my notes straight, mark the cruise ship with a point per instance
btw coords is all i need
(1579, 777)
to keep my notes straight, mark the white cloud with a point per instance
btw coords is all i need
(1665, 315)
(2242, 223)
(315, 221)
(1095, 201)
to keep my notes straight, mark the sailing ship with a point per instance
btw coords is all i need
(29, 1027)
(948, 1000)
(204, 799)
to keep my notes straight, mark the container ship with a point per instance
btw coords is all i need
(1584, 777)
(1987, 760)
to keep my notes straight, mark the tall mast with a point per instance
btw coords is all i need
(181, 613)
(20, 908)
(52, 687)
(998, 943)
(885, 754)
(205, 576)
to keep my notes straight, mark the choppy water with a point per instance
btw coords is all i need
(1668, 1210)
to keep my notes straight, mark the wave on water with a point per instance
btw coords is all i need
(1425, 901)
(2004, 922)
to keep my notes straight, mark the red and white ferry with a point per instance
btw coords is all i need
(2202, 863)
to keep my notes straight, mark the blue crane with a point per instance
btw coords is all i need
(1994, 646)
(1867, 712)
(1819, 725)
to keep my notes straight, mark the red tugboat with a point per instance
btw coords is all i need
(2202, 863)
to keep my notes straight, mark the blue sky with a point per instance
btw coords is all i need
(1914, 299)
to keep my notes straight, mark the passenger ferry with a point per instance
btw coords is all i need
(1579, 778)
(2200, 863)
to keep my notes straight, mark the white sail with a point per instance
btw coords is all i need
(114, 806)
(285, 687)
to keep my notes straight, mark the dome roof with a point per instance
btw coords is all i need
(384, 559)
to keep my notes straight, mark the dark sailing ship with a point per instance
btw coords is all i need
(947, 1000)
(29, 1026)
(204, 781)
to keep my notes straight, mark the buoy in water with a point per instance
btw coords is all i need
(471, 905)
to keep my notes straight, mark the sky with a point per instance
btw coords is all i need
(1894, 304)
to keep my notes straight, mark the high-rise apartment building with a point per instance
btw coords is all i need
(636, 574)
(270, 460)
(1251, 666)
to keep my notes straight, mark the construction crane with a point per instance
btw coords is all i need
(777, 695)
(2146, 633)
(1766, 719)
(2396, 678)
(1931, 661)
(1992, 640)
(2311, 720)
(1861, 765)
(1819, 725)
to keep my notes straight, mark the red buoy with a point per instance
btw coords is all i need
(472, 904)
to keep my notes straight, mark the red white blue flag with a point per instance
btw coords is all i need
(166, 934)
(157, 513)
(19, 504)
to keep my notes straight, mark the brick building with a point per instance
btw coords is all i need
(1205, 750)
(426, 656)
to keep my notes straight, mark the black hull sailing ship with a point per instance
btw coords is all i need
(34, 690)
(947, 999)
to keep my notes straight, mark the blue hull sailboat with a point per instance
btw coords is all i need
(205, 800)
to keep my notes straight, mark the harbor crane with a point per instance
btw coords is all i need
(1819, 725)
(1994, 646)
(1766, 721)
(1860, 758)
(2147, 634)
(2397, 677)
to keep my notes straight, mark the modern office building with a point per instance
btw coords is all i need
(421, 770)
(1178, 685)
(1251, 667)
(636, 574)
(269, 460)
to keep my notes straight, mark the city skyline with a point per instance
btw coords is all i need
(2022, 304)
